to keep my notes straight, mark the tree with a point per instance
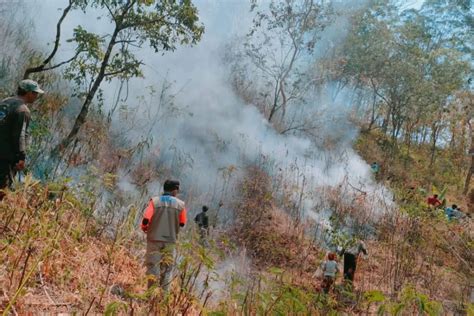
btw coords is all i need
(411, 73)
(160, 24)
(277, 45)
(450, 22)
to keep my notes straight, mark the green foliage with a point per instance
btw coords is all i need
(114, 308)
(276, 295)
(411, 73)
(421, 301)
(470, 309)
(411, 301)
(163, 24)
(374, 296)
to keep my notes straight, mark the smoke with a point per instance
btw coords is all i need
(206, 134)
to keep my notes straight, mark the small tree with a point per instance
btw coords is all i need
(277, 44)
(161, 24)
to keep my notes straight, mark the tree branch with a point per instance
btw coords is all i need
(110, 11)
(113, 73)
(62, 63)
(48, 59)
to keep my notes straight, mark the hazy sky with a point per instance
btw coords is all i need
(416, 4)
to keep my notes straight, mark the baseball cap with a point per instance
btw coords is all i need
(30, 85)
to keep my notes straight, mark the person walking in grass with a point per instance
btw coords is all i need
(202, 220)
(351, 255)
(330, 270)
(162, 220)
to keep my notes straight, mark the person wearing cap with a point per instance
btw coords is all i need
(161, 222)
(14, 121)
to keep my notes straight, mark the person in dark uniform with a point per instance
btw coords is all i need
(350, 259)
(14, 121)
(202, 220)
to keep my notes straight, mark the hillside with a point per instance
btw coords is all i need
(57, 258)
(330, 142)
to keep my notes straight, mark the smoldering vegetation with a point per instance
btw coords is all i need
(185, 119)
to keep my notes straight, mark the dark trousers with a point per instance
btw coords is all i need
(328, 281)
(350, 263)
(7, 174)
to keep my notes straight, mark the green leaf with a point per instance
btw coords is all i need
(275, 270)
(374, 296)
(114, 307)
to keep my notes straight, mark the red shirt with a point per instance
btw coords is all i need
(433, 201)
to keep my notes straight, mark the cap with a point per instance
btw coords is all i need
(30, 85)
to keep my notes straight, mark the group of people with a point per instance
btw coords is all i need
(452, 212)
(330, 267)
(165, 215)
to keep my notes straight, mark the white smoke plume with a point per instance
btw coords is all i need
(204, 123)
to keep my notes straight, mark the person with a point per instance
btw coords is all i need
(162, 220)
(14, 122)
(350, 259)
(458, 214)
(375, 167)
(330, 269)
(433, 201)
(451, 212)
(454, 212)
(202, 220)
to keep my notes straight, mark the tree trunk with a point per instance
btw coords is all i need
(283, 103)
(81, 118)
(275, 102)
(372, 114)
(452, 142)
(434, 139)
(386, 120)
(467, 183)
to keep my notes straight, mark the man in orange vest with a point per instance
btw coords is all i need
(162, 220)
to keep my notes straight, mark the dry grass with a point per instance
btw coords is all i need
(272, 238)
(433, 256)
(52, 258)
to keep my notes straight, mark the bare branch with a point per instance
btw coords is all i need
(62, 63)
(48, 59)
(110, 11)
